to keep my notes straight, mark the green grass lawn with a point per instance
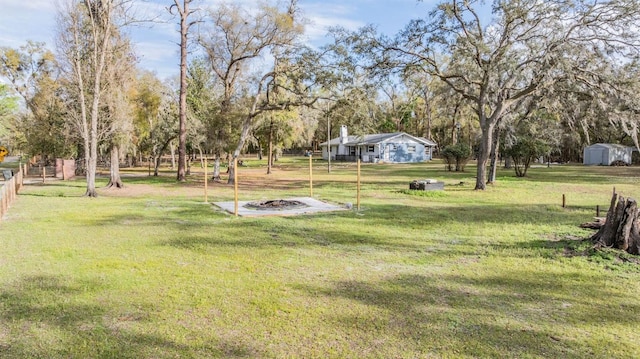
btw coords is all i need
(154, 272)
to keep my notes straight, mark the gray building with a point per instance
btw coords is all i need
(606, 153)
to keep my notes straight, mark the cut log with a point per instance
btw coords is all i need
(621, 229)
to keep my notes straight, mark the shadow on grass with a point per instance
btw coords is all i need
(48, 317)
(519, 314)
(51, 195)
(379, 227)
(344, 231)
(254, 235)
(609, 259)
(402, 216)
(164, 179)
(578, 174)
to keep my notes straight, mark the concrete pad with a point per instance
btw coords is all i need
(313, 206)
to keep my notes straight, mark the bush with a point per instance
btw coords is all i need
(458, 155)
(524, 152)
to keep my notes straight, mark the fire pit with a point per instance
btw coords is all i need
(279, 207)
(276, 204)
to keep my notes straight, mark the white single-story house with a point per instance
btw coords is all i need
(397, 147)
(606, 153)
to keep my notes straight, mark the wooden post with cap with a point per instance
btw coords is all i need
(310, 175)
(206, 183)
(358, 188)
(235, 186)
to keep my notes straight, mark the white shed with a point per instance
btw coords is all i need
(606, 153)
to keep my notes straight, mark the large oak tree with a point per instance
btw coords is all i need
(527, 46)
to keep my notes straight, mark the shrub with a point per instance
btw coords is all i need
(524, 151)
(457, 154)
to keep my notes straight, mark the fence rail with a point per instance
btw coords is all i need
(9, 191)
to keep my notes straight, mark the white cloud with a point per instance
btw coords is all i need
(319, 26)
(323, 16)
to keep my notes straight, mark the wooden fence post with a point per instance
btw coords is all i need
(12, 189)
(235, 186)
(206, 184)
(310, 176)
(358, 188)
(3, 207)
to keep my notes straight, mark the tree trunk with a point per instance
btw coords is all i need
(173, 155)
(508, 163)
(453, 131)
(453, 123)
(157, 155)
(231, 170)
(483, 155)
(201, 156)
(216, 168)
(114, 179)
(244, 133)
(92, 164)
(622, 227)
(270, 159)
(156, 164)
(259, 143)
(495, 145)
(428, 115)
(182, 133)
(91, 177)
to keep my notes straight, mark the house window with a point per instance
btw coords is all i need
(411, 149)
(392, 147)
(352, 150)
(371, 149)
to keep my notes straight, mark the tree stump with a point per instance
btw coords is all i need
(621, 230)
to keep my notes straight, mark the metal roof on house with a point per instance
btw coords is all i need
(377, 138)
(609, 145)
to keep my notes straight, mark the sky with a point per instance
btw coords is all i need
(157, 45)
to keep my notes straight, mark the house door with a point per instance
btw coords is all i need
(386, 153)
